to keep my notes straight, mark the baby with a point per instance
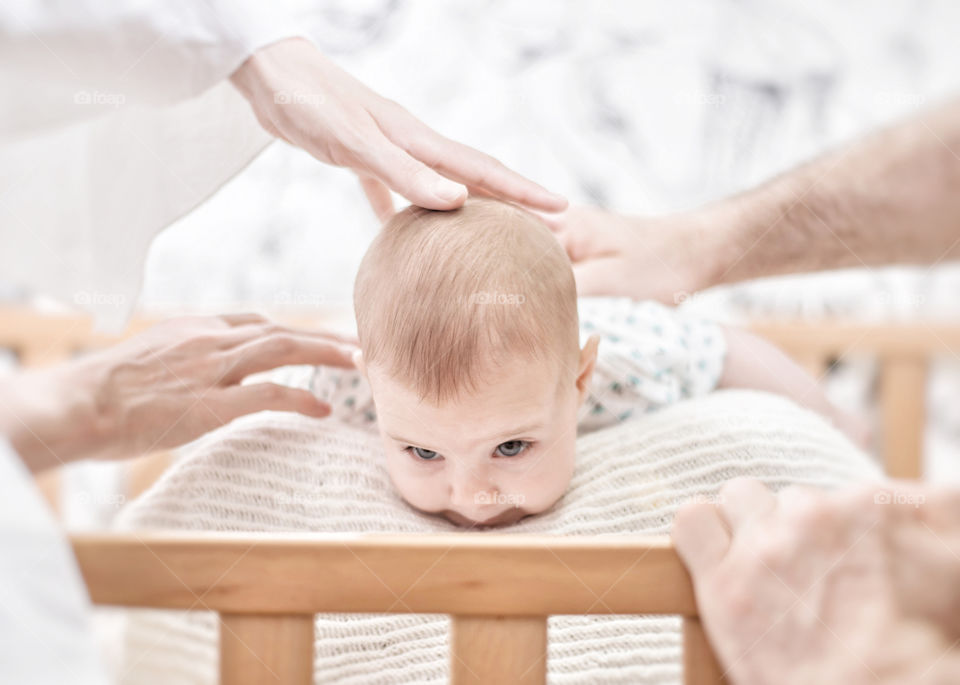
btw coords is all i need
(481, 374)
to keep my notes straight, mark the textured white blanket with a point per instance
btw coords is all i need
(280, 472)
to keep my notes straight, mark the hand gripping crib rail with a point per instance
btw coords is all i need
(499, 590)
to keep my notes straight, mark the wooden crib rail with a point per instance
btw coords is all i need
(499, 590)
(902, 352)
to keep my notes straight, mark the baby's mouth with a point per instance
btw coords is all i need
(504, 518)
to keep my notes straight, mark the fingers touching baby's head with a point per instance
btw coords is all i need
(468, 325)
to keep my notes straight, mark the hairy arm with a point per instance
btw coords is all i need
(891, 198)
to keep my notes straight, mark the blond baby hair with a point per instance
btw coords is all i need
(443, 297)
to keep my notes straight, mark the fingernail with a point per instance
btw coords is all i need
(448, 192)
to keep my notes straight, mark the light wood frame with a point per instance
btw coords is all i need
(498, 589)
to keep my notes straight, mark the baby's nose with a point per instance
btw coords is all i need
(471, 488)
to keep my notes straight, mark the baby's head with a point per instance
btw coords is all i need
(470, 341)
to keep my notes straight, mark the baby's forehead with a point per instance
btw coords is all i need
(514, 380)
(523, 396)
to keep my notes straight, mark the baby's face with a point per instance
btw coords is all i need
(490, 457)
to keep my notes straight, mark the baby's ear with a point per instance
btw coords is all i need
(358, 362)
(588, 362)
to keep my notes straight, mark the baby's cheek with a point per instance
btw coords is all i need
(548, 482)
(412, 487)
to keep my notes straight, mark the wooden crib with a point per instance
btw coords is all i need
(499, 589)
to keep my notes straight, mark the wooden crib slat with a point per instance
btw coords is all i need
(700, 666)
(263, 649)
(902, 402)
(498, 649)
(470, 574)
(834, 338)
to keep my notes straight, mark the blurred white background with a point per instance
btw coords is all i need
(642, 107)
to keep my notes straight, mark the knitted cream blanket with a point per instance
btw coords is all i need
(281, 472)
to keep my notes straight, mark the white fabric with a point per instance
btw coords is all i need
(116, 121)
(650, 356)
(282, 472)
(46, 634)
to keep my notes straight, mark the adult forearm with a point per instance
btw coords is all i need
(891, 198)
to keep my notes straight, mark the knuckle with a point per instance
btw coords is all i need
(688, 515)
(737, 595)
(198, 344)
(772, 551)
(268, 328)
(223, 365)
(353, 142)
(735, 488)
(272, 393)
(806, 512)
(277, 344)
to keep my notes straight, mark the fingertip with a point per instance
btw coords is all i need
(544, 201)
(450, 195)
(320, 410)
(552, 220)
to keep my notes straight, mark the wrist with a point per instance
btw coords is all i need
(251, 77)
(717, 231)
(50, 416)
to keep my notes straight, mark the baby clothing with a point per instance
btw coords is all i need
(649, 356)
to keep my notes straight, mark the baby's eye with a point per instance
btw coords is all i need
(511, 448)
(425, 454)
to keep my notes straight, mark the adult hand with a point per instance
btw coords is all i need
(849, 587)
(660, 258)
(162, 388)
(302, 97)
